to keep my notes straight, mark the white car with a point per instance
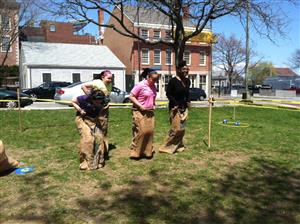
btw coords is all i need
(66, 94)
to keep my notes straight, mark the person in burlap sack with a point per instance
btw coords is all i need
(6, 162)
(179, 101)
(103, 82)
(143, 98)
(92, 146)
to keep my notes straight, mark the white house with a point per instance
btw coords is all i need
(43, 62)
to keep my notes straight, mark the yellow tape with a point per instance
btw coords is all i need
(278, 101)
(229, 101)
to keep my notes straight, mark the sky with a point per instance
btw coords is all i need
(278, 53)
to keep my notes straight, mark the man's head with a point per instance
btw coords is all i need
(183, 69)
(97, 97)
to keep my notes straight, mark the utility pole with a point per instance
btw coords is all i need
(246, 96)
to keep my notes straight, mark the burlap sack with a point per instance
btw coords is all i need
(6, 162)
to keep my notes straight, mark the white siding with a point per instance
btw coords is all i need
(34, 76)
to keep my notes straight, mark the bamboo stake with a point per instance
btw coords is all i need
(19, 106)
(209, 121)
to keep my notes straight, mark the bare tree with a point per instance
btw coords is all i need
(230, 55)
(295, 59)
(199, 14)
(17, 16)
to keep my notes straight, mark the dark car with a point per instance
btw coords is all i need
(12, 95)
(197, 94)
(45, 90)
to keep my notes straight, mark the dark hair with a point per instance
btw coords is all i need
(97, 95)
(100, 75)
(182, 64)
(148, 71)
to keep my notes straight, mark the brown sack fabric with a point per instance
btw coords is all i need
(174, 141)
(92, 146)
(6, 162)
(142, 130)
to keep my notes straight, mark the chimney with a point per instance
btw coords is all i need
(101, 28)
(185, 12)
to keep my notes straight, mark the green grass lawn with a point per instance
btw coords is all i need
(249, 175)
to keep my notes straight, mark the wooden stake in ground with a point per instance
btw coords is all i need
(19, 106)
(210, 101)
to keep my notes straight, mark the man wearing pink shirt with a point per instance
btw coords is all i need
(143, 98)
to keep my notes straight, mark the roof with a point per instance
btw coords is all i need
(11, 4)
(150, 16)
(39, 54)
(284, 72)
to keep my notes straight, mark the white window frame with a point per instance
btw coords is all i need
(201, 81)
(190, 57)
(9, 22)
(73, 76)
(52, 25)
(204, 53)
(170, 36)
(147, 33)
(144, 63)
(46, 73)
(10, 47)
(169, 50)
(159, 57)
(156, 38)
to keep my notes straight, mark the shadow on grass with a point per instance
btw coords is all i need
(269, 193)
(259, 191)
(7, 172)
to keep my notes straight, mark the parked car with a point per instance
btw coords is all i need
(46, 90)
(12, 95)
(66, 94)
(197, 94)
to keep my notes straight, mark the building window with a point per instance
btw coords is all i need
(76, 77)
(168, 57)
(52, 28)
(156, 34)
(193, 79)
(187, 57)
(168, 35)
(46, 77)
(145, 56)
(202, 83)
(5, 44)
(202, 58)
(157, 57)
(167, 79)
(145, 33)
(5, 23)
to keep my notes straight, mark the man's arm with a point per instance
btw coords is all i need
(170, 93)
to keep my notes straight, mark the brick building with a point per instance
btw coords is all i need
(9, 42)
(58, 32)
(137, 55)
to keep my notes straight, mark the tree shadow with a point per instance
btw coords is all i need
(260, 191)
(257, 191)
